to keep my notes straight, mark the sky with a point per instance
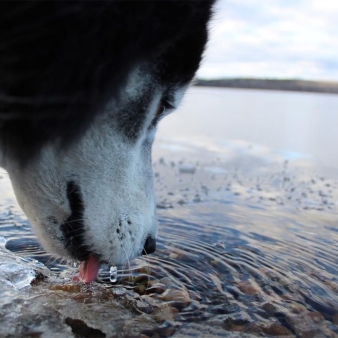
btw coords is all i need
(294, 39)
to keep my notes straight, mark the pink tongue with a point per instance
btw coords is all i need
(89, 269)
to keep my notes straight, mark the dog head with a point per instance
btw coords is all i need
(82, 88)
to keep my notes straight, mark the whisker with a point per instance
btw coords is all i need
(77, 231)
(75, 220)
(144, 259)
(51, 261)
(128, 262)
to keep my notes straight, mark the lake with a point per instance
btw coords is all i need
(247, 191)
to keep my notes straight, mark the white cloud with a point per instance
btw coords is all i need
(273, 38)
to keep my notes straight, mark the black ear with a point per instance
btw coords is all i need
(61, 61)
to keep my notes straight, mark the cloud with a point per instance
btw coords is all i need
(273, 38)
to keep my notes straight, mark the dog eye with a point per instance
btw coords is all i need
(162, 107)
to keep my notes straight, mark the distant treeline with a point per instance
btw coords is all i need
(292, 85)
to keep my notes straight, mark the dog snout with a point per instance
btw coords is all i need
(149, 246)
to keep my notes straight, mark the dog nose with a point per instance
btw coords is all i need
(149, 246)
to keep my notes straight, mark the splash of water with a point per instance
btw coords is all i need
(113, 274)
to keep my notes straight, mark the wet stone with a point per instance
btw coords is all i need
(156, 288)
(165, 330)
(303, 326)
(118, 291)
(335, 319)
(269, 307)
(140, 289)
(235, 324)
(220, 309)
(187, 169)
(57, 308)
(247, 288)
(177, 298)
(165, 312)
(297, 307)
(79, 327)
(276, 330)
(143, 306)
(316, 317)
(195, 296)
(71, 288)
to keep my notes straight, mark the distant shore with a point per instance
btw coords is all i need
(269, 84)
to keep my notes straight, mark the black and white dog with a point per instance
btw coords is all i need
(82, 88)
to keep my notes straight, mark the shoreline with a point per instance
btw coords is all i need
(272, 84)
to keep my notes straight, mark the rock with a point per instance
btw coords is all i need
(140, 289)
(37, 303)
(156, 288)
(179, 298)
(316, 317)
(235, 324)
(269, 307)
(303, 326)
(81, 328)
(187, 169)
(247, 288)
(276, 330)
(165, 312)
(195, 295)
(297, 307)
(71, 288)
(335, 319)
(165, 330)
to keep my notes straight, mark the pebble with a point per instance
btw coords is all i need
(303, 326)
(235, 324)
(165, 330)
(269, 307)
(276, 330)
(335, 319)
(142, 306)
(72, 288)
(247, 288)
(140, 289)
(297, 308)
(178, 298)
(165, 312)
(316, 317)
(119, 291)
(187, 169)
(156, 288)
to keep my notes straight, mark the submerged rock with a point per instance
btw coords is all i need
(36, 303)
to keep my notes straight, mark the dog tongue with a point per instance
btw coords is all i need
(89, 269)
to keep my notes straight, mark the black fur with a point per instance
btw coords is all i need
(61, 61)
(72, 229)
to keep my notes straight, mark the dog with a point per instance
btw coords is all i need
(83, 86)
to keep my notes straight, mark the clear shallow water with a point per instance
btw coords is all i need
(248, 236)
